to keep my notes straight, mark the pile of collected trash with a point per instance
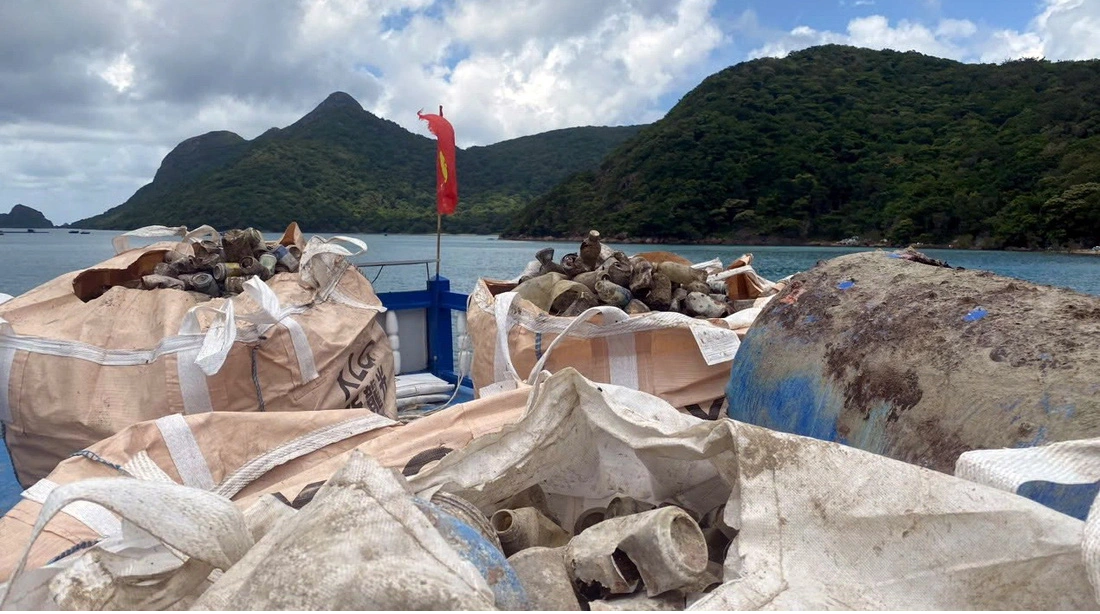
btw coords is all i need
(652, 281)
(616, 556)
(97, 355)
(220, 267)
(583, 496)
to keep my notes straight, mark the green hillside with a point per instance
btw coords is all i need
(22, 216)
(836, 141)
(342, 169)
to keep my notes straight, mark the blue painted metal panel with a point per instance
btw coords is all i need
(440, 332)
(455, 301)
(414, 299)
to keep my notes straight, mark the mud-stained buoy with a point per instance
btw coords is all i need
(659, 297)
(590, 250)
(698, 286)
(613, 294)
(618, 269)
(699, 304)
(571, 264)
(589, 279)
(678, 296)
(641, 278)
(681, 274)
(566, 293)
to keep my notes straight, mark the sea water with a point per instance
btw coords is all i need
(30, 259)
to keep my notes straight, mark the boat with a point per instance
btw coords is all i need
(426, 325)
(74, 232)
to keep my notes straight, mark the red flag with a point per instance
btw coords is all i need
(446, 180)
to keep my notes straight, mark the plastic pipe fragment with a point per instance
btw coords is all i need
(545, 577)
(588, 518)
(625, 506)
(526, 527)
(664, 547)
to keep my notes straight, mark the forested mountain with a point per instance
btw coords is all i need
(342, 169)
(22, 216)
(837, 141)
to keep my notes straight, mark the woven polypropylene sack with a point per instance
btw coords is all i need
(661, 356)
(232, 461)
(78, 364)
(820, 525)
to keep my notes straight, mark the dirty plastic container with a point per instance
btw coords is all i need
(486, 557)
(893, 354)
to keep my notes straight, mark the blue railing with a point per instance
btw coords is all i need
(438, 302)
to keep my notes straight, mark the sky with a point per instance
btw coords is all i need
(94, 93)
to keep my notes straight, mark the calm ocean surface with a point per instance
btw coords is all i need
(30, 259)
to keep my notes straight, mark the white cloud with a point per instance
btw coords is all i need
(119, 74)
(1005, 45)
(93, 94)
(956, 28)
(1069, 29)
(875, 32)
(1062, 30)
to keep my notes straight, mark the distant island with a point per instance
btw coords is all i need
(831, 144)
(22, 216)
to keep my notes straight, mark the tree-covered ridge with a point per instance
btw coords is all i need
(22, 216)
(342, 169)
(836, 141)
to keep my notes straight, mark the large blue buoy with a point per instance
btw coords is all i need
(899, 355)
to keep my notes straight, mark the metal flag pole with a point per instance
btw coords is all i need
(438, 224)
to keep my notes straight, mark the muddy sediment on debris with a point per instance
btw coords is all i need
(905, 356)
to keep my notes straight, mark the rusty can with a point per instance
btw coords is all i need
(225, 270)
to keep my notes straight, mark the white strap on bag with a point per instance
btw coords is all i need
(716, 344)
(7, 358)
(201, 525)
(122, 241)
(185, 452)
(90, 515)
(271, 314)
(503, 369)
(325, 260)
(195, 471)
(143, 467)
(297, 447)
(219, 338)
(214, 348)
(1090, 547)
(623, 367)
(622, 358)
